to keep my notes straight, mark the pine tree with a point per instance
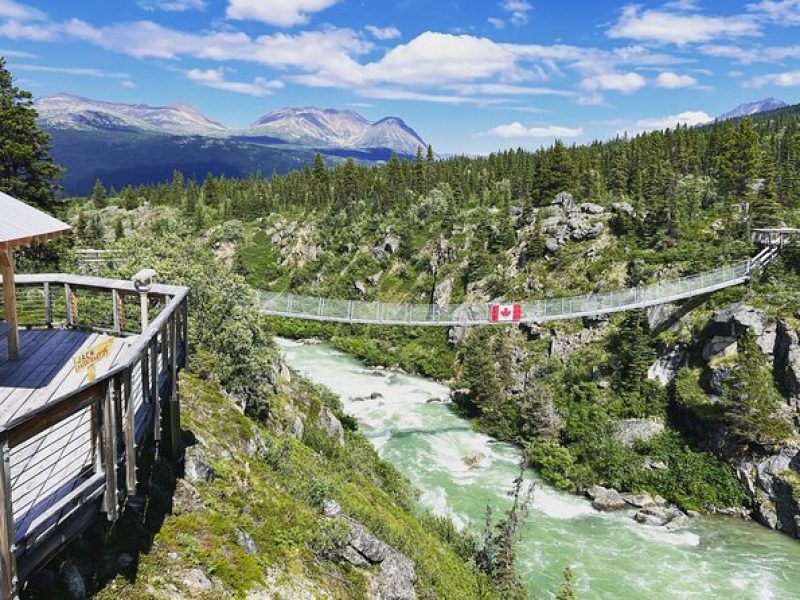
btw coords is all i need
(765, 211)
(751, 398)
(99, 196)
(26, 168)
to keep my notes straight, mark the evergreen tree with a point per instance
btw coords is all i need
(99, 196)
(26, 168)
(765, 211)
(751, 398)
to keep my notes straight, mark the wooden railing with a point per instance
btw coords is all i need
(109, 421)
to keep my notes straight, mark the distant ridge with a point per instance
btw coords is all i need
(747, 109)
(132, 144)
(308, 127)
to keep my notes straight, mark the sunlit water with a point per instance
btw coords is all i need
(459, 471)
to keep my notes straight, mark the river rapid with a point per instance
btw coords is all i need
(459, 471)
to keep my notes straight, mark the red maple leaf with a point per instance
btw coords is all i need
(505, 312)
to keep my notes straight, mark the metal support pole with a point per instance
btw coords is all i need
(8, 560)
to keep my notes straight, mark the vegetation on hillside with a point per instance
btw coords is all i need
(472, 229)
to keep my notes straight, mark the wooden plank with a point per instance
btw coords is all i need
(10, 302)
(84, 492)
(109, 444)
(38, 372)
(174, 406)
(130, 434)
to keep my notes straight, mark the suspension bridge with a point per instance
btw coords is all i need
(769, 241)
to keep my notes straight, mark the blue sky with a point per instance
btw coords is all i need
(469, 75)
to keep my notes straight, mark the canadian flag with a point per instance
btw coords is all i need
(505, 312)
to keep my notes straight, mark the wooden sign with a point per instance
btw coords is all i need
(88, 359)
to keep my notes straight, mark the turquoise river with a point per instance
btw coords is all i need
(459, 471)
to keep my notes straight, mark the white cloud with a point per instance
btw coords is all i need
(15, 54)
(9, 9)
(39, 32)
(671, 81)
(383, 33)
(173, 5)
(215, 78)
(627, 83)
(770, 54)
(129, 84)
(75, 71)
(780, 12)
(788, 79)
(518, 130)
(433, 66)
(496, 23)
(282, 13)
(679, 28)
(594, 99)
(690, 118)
(384, 93)
(509, 90)
(518, 9)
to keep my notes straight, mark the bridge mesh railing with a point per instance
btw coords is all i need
(550, 309)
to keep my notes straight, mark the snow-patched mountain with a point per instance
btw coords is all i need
(66, 111)
(751, 108)
(329, 128)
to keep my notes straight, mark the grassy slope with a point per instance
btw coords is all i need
(275, 497)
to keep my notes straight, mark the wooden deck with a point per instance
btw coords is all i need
(52, 464)
(70, 449)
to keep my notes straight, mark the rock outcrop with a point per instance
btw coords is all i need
(568, 221)
(630, 431)
(397, 574)
(769, 472)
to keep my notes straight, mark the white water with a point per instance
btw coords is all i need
(613, 556)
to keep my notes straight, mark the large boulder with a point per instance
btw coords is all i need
(591, 208)
(331, 425)
(565, 201)
(396, 577)
(387, 246)
(667, 365)
(195, 466)
(605, 499)
(443, 292)
(736, 319)
(630, 431)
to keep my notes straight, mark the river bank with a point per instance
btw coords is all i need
(459, 470)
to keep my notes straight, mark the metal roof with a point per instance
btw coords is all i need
(22, 225)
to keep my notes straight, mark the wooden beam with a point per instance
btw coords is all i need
(10, 302)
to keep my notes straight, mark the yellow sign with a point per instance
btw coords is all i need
(88, 359)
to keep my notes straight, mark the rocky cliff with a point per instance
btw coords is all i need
(752, 422)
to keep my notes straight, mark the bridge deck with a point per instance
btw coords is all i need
(52, 464)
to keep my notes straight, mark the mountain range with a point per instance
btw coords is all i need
(752, 108)
(129, 144)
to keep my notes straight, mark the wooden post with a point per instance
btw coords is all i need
(116, 311)
(70, 310)
(174, 405)
(185, 326)
(48, 305)
(143, 304)
(10, 302)
(154, 389)
(130, 435)
(109, 448)
(8, 561)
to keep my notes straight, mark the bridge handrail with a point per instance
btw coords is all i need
(536, 311)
